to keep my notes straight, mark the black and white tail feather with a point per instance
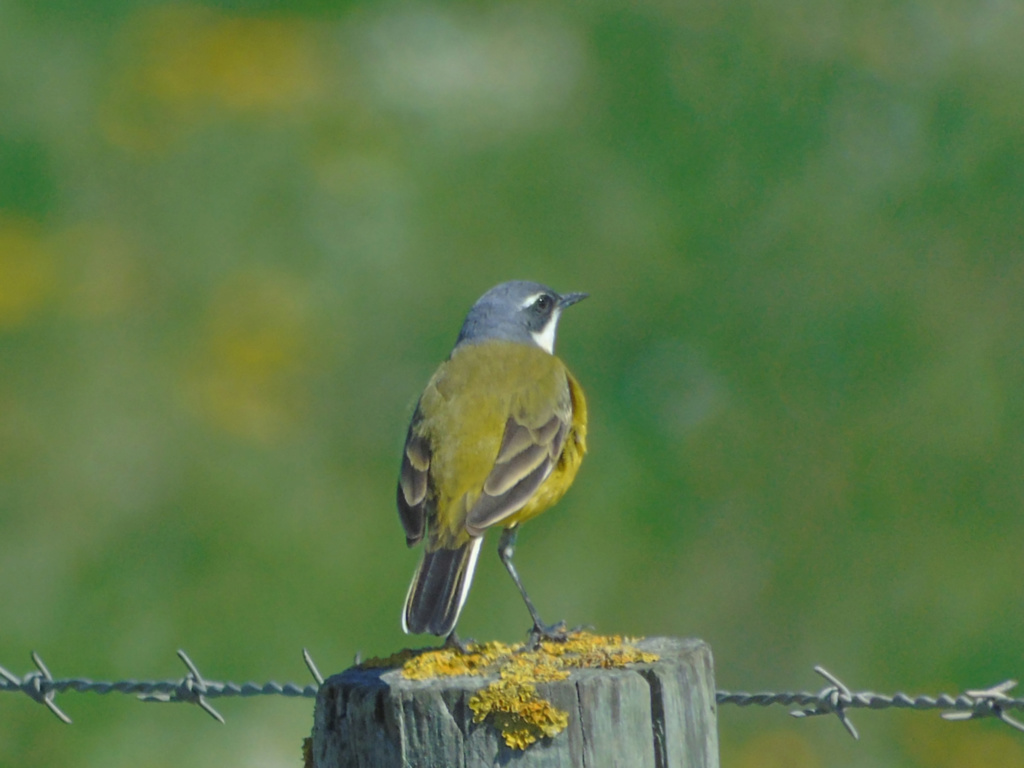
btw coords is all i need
(439, 589)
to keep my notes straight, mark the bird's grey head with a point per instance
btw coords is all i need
(517, 311)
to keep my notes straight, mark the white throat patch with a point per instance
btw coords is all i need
(545, 338)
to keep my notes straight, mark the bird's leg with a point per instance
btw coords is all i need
(540, 631)
(453, 641)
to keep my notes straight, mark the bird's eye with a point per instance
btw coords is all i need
(543, 303)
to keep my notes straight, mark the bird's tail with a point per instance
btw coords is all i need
(439, 589)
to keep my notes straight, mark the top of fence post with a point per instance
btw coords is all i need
(660, 713)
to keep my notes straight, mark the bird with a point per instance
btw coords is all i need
(496, 438)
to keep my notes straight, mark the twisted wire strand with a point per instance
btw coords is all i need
(192, 688)
(213, 689)
(836, 698)
(862, 700)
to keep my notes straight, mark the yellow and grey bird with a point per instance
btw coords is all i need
(497, 437)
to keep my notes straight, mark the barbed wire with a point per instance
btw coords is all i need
(193, 688)
(834, 699)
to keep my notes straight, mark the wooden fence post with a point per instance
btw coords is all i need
(659, 714)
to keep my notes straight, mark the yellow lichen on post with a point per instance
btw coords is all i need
(451, 662)
(517, 711)
(511, 702)
(586, 651)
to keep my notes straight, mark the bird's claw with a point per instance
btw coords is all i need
(556, 633)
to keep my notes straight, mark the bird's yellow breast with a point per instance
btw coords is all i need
(465, 408)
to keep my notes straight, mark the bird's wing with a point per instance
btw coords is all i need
(412, 482)
(529, 450)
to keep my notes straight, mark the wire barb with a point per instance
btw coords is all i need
(832, 699)
(191, 689)
(311, 666)
(989, 702)
(38, 686)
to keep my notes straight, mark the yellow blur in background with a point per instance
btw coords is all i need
(236, 238)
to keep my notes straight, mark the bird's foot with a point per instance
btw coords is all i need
(555, 633)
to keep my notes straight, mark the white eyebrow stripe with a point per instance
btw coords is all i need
(530, 299)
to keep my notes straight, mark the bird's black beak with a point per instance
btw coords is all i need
(568, 299)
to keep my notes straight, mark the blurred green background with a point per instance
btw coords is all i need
(236, 239)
